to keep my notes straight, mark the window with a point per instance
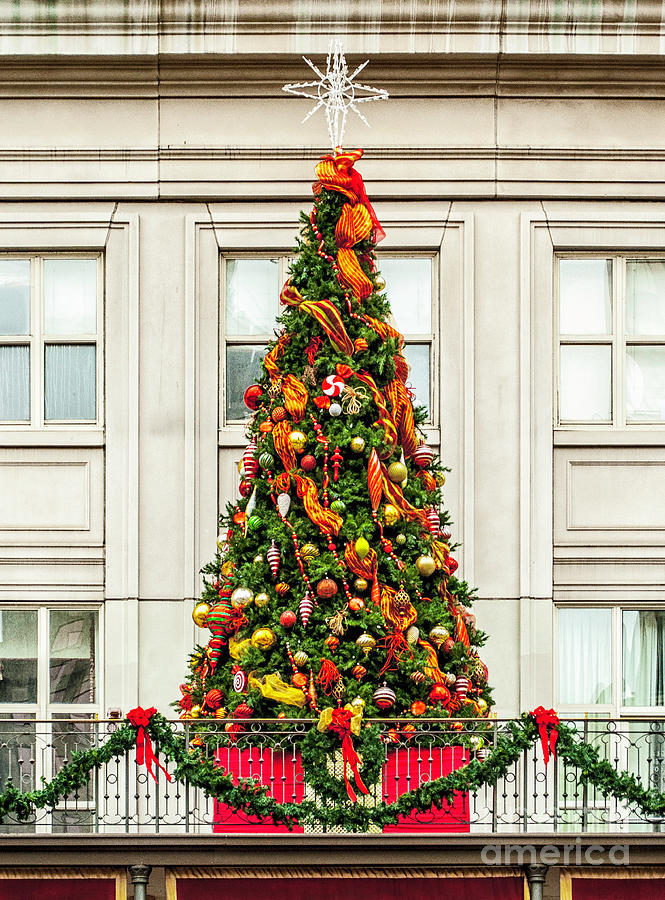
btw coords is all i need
(410, 289)
(250, 290)
(611, 659)
(50, 326)
(611, 340)
(48, 697)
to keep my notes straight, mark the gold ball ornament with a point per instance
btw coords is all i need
(298, 441)
(357, 444)
(262, 599)
(400, 538)
(195, 712)
(221, 713)
(199, 614)
(379, 283)
(476, 742)
(259, 559)
(366, 642)
(361, 585)
(397, 472)
(440, 479)
(308, 552)
(439, 635)
(482, 706)
(282, 588)
(390, 514)
(425, 565)
(263, 638)
(300, 658)
(241, 597)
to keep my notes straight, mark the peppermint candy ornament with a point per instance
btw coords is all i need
(240, 682)
(462, 685)
(333, 386)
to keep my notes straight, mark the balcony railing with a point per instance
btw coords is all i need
(122, 797)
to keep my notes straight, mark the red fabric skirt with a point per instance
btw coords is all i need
(405, 769)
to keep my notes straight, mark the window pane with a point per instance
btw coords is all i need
(14, 383)
(645, 296)
(645, 384)
(409, 290)
(585, 296)
(643, 657)
(252, 295)
(243, 367)
(14, 296)
(585, 386)
(585, 642)
(70, 381)
(70, 296)
(72, 641)
(18, 655)
(418, 357)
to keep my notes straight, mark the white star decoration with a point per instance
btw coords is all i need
(336, 91)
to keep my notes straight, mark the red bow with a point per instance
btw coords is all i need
(140, 718)
(341, 725)
(547, 718)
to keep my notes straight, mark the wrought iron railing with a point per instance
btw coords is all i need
(529, 797)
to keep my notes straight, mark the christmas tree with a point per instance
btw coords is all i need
(335, 580)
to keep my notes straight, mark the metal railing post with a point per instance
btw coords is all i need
(140, 876)
(535, 876)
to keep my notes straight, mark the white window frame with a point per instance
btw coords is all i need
(618, 341)
(615, 709)
(37, 342)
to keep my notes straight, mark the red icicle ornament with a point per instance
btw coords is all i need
(250, 464)
(433, 522)
(336, 459)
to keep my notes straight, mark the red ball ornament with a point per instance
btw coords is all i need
(278, 414)
(448, 645)
(308, 463)
(242, 711)
(418, 707)
(287, 619)
(299, 680)
(356, 603)
(326, 588)
(252, 396)
(245, 488)
(213, 699)
(440, 694)
(332, 642)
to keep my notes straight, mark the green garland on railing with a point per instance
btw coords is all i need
(192, 766)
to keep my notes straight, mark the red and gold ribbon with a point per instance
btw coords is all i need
(281, 436)
(461, 634)
(547, 719)
(374, 479)
(432, 669)
(145, 755)
(364, 568)
(295, 397)
(328, 521)
(392, 611)
(326, 314)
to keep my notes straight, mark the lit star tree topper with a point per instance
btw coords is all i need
(336, 91)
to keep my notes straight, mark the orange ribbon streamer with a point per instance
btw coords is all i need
(432, 669)
(295, 397)
(336, 173)
(364, 568)
(341, 725)
(547, 718)
(270, 359)
(325, 313)
(402, 415)
(328, 521)
(281, 436)
(145, 755)
(460, 630)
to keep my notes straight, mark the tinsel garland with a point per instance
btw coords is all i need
(192, 767)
